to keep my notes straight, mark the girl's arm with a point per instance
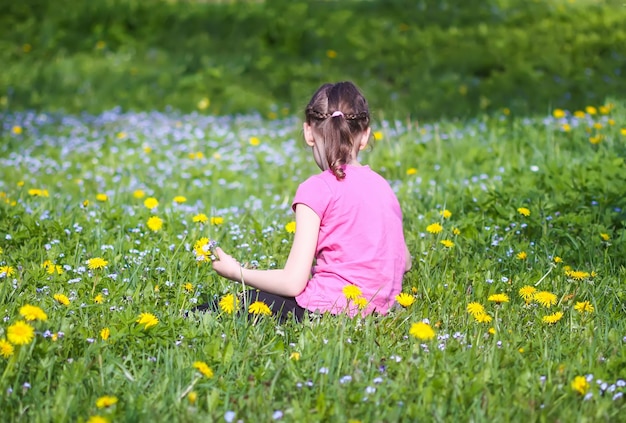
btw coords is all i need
(289, 281)
(408, 264)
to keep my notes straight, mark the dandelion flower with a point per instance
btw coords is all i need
(445, 214)
(447, 243)
(204, 103)
(492, 331)
(498, 298)
(98, 299)
(20, 333)
(155, 223)
(62, 299)
(580, 385)
(522, 255)
(6, 349)
(411, 171)
(7, 271)
(102, 197)
(552, 318)
(421, 330)
(351, 292)
(545, 298)
(188, 287)
(96, 263)
(291, 227)
(584, 307)
(558, 259)
(295, 356)
(139, 193)
(97, 419)
(591, 110)
(106, 401)
(456, 231)
(404, 299)
(217, 220)
(558, 113)
(105, 333)
(31, 312)
(578, 275)
(192, 397)
(605, 237)
(179, 199)
(147, 319)
(360, 302)
(259, 307)
(254, 141)
(523, 211)
(203, 368)
(200, 218)
(378, 135)
(229, 303)
(482, 318)
(434, 228)
(151, 203)
(527, 292)
(475, 308)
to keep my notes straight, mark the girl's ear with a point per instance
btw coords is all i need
(365, 137)
(308, 134)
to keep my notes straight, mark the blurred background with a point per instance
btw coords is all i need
(415, 59)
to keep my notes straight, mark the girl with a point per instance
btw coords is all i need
(348, 220)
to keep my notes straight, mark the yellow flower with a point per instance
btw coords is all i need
(62, 299)
(86, 203)
(6, 349)
(200, 218)
(96, 263)
(106, 401)
(422, 331)
(203, 368)
(498, 298)
(217, 220)
(483, 318)
(584, 307)
(17, 130)
(7, 271)
(596, 140)
(204, 103)
(31, 312)
(475, 308)
(259, 307)
(404, 299)
(352, 292)
(295, 356)
(180, 199)
(445, 214)
(527, 292)
(102, 197)
(229, 303)
(254, 141)
(35, 192)
(558, 259)
(378, 135)
(605, 237)
(20, 333)
(188, 287)
(456, 231)
(97, 419)
(147, 319)
(552, 318)
(578, 275)
(545, 298)
(605, 110)
(411, 171)
(434, 228)
(558, 113)
(98, 299)
(566, 127)
(523, 211)
(591, 110)
(139, 193)
(192, 397)
(447, 243)
(580, 385)
(105, 333)
(155, 223)
(331, 54)
(151, 203)
(522, 255)
(291, 227)
(623, 131)
(360, 302)
(492, 331)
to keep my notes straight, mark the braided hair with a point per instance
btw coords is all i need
(337, 113)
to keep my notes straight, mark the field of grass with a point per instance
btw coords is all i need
(516, 226)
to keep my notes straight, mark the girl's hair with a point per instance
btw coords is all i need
(337, 113)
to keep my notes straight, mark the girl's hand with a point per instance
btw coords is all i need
(227, 266)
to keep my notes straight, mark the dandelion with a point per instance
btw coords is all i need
(595, 140)
(6, 349)
(151, 203)
(351, 292)
(179, 199)
(498, 298)
(566, 127)
(492, 331)
(155, 223)
(378, 135)
(217, 220)
(7, 271)
(254, 141)
(139, 193)
(558, 259)
(578, 275)
(580, 385)
(447, 243)
(411, 171)
(434, 228)
(203, 368)
(105, 333)
(102, 197)
(584, 307)
(331, 54)
(552, 318)
(522, 255)
(421, 330)
(475, 308)
(31, 312)
(97, 419)
(200, 218)
(605, 237)
(147, 319)
(96, 263)
(523, 211)
(591, 110)
(558, 113)
(192, 397)
(106, 401)
(17, 130)
(204, 103)
(405, 300)
(456, 231)
(360, 302)
(188, 287)
(527, 292)
(295, 356)
(545, 298)
(20, 333)
(259, 307)
(291, 227)
(482, 318)
(62, 299)
(445, 214)
(623, 131)
(98, 299)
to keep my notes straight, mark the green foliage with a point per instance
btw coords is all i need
(417, 58)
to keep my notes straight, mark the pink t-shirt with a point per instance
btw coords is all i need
(360, 242)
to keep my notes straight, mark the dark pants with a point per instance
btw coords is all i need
(284, 307)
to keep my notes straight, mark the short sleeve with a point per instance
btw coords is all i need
(314, 193)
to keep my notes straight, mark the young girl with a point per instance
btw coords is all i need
(348, 220)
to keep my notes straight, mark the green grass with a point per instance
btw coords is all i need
(369, 369)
